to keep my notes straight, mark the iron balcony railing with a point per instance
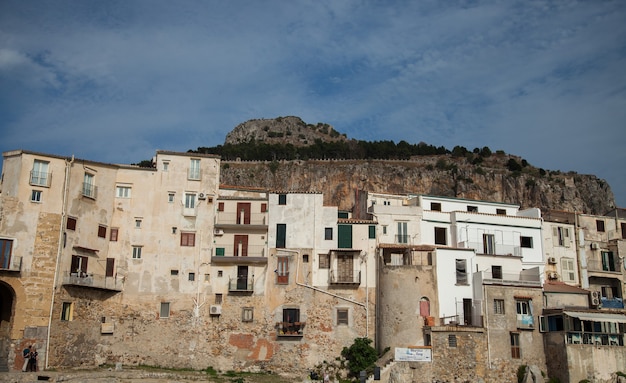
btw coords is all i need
(94, 281)
(90, 190)
(512, 279)
(337, 278)
(232, 218)
(598, 265)
(40, 178)
(496, 249)
(241, 284)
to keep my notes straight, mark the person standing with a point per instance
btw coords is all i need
(32, 360)
(26, 355)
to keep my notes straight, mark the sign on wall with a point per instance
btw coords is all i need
(413, 354)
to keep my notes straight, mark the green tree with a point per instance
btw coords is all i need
(360, 356)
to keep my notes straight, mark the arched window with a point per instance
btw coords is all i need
(424, 307)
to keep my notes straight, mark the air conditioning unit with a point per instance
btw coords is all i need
(218, 232)
(216, 309)
(595, 246)
(596, 298)
(553, 275)
(201, 196)
(552, 260)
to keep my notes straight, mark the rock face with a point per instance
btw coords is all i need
(441, 175)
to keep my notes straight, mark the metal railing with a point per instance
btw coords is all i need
(241, 284)
(94, 281)
(498, 249)
(598, 265)
(487, 277)
(230, 218)
(334, 277)
(40, 178)
(90, 190)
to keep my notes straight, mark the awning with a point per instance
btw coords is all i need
(598, 317)
(86, 250)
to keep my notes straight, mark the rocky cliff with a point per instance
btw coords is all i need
(441, 175)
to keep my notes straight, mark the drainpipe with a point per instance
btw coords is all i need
(66, 184)
(487, 325)
(579, 242)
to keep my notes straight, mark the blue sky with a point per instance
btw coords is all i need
(114, 81)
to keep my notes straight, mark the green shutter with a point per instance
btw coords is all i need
(219, 251)
(372, 232)
(281, 235)
(344, 236)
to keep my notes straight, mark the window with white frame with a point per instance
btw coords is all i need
(166, 166)
(89, 188)
(39, 175)
(568, 271)
(136, 252)
(560, 236)
(403, 236)
(247, 314)
(489, 244)
(170, 197)
(343, 316)
(498, 306)
(122, 191)
(190, 200)
(194, 169)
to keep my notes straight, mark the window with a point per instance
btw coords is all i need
(220, 251)
(441, 236)
(113, 234)
(305, 258)
(137, 223)
(515, 349)
(79, 265)
(567, 270)
(282, 271)
(243, 213)
(187, 239)
(170, 197)
(489, 244)
(496, 272)
(501, 211)
(608, 261)
(371, 232)
(192, 277)
(600, 226)
(451, 340)
(220, 273)
(526, 242)
(282, 199)
(166, 166)
(190, 200)
(472, 209)
(218, 299)
(194, 169)
(498, 306)
(247, 314)
(110, 267)
(6, 249)
(523, 307)
(524, 313)
(435, 206)
(122, 191)
(39, 174)
(136, 252)
(402, 237)
(461, 272)
(240, 245)
(324, 261)
(344, 236)
(263, 207)
(560, 236)
(342, 317)
(384, 229)
(174, 273)
(71, 223)
(67, 311)
(165, 310)
(291, 315)
(328, 233)
(89, 190)
(102, 231)
(281, 235)
(35, 196)
(220, 206)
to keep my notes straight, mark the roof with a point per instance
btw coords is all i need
(356, 221)
(405, 246)
(560, 287)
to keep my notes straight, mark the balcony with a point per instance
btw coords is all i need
(256, 221)
(530, 279)
(255, 254)
(352, 278)
(11, 264)
(498, 249)
(99, 282)
(40, 178)
(90, 190)
(241, 284)
(600, 266)
(290, 329)
(612, 303)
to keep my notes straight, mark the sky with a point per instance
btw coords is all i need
(114, 81)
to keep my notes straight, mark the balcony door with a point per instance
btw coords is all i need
(241, 245)
(242, 277)
(345, 270)
(243, 213)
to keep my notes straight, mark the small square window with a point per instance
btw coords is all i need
(166, 166)
(600, 226)
(35, 196)
(247, 314)
(218, 299)
(102, 231)
(188, 239)
(113, 234)
(263, 207)
(342, 317)
(220, 273)
(526, 242)
(220, 206)
(282, 199)
(435, 206)
(170, 197)
(328, 233)
(501, 211)
(451, 340)
(71, 223)
(67, 312)
(136, 252)
(324, 262)
(472, 209)
(174, 273)
(122, 191)
(165, 310)
(192, 277)
(138, 223)
(207, 278)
